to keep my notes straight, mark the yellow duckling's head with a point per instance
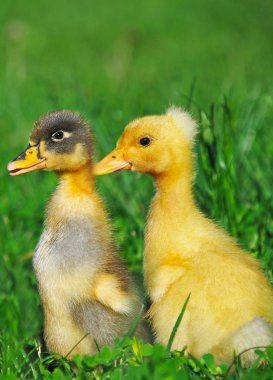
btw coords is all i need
(60, 141)
(153, 144)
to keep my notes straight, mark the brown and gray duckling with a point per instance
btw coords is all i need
(89, 297)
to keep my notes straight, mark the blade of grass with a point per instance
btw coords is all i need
(65, 357)
(177, 323)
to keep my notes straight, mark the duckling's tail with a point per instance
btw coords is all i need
(255, 334)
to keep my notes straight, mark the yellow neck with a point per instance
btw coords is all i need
(174, 193)
(78, 181)
(75, 197)
(170, 219)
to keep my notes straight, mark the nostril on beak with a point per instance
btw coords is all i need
(114, 157)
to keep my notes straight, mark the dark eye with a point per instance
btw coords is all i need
(145, 141)
(57, 136)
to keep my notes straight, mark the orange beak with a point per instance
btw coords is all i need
(28, 161)
(113, 162)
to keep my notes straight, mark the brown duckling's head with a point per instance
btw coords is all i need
(153, 144)
(60, 141)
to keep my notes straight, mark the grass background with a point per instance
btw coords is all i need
(113, 61)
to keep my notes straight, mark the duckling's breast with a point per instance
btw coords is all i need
(67, 258)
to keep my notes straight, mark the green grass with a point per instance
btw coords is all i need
(113, 61)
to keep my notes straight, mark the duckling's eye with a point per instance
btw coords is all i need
(145, 141)
(57, 136)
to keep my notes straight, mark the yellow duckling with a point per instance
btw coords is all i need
(231, 303)
(88, 295)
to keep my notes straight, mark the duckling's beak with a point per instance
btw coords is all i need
(113, 162)
(28, 161)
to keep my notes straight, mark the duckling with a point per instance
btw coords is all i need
(231, 303)
(88, 295)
